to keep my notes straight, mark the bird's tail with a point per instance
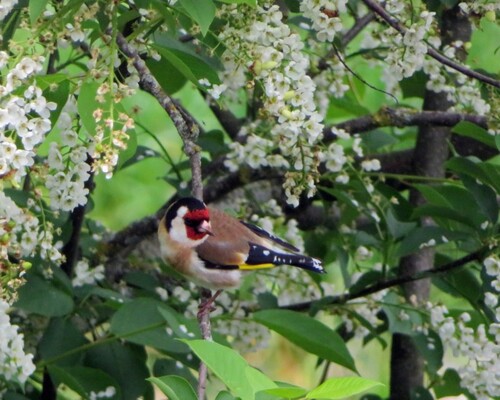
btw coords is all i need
(262, 257)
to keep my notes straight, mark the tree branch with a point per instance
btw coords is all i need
(396, 24)
(401, 117)
(186, 126)
(188, 130)
(386, 284)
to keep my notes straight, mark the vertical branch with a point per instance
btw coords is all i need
(188, 130)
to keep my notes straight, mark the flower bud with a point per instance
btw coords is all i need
(26, 265)
(289, 95)
(490, 15)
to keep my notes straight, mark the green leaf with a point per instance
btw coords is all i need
(288, 392)
(377, 139)
(401, 320)
(174, 387)
(213, 142)
(440, 212)
(427, 235)
(87, 104)
(169, 366)
(167, 74)
(40, 296)
(60, 337)
(179, 64)
(309, 334)
(431, 348)
(414, 86)
(36, 8)
(83, 380)
(59, 96)
(461, 283)
(141, 322)
(224, 395)
(484, 172)
(241, 379)
(485, 197)
(449, 384)
(125, 363)
(340, 388)
(191, 67)
(468, 129)
(201, 11)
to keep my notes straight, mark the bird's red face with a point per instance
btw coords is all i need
(197, 224)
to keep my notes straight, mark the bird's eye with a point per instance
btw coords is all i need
(191, 222)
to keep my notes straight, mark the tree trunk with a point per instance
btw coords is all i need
(430, 154)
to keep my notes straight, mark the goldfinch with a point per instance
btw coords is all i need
(214, 250)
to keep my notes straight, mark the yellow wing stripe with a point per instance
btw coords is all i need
(248, 267)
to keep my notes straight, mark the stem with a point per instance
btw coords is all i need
(206, 301)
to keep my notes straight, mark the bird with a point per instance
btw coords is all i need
(215, 250)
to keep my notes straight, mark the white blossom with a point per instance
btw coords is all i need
(15, 365)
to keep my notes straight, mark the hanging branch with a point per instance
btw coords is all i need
(385, 284)
(188, 130)
(396, 24)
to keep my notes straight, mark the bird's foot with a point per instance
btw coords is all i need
(207, 304)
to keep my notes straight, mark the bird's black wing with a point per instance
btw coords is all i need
(265, 234)
(260, 257)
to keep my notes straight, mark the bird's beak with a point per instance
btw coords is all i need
(205, 227)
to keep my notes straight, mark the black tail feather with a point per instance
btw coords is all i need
(259, 255)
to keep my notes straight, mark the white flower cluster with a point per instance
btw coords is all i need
(279, 67)
(86, 276)
(480, 347)
(23, 234)
(15, 365)
(68, 173)
(74, 31)
(324, 15)
(461, 90)
(481, 373)
(244, 334)
(492, 268)
(408, 52)
(6, 7)
(368, 308)
(107, 393)
(479, 6)
(407, 55)
(330, 82)
(24, 116)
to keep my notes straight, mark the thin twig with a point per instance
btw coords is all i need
(385, 284)
(337, 53)
(396, 24)
(358, 26)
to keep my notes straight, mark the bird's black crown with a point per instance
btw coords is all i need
(191, 203)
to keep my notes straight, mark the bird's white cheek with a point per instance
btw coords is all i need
(178, 234)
